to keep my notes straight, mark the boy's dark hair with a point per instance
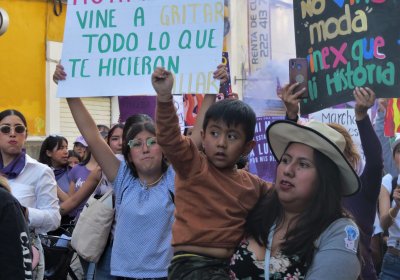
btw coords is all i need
(49, 144)
(232, 112)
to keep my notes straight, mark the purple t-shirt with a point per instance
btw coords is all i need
(78, 175)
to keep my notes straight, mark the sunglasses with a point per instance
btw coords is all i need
(138, 144)
(6, 129)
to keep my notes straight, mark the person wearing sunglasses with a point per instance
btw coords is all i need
(31, 182)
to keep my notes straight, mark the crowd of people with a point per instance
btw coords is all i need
(186, 206)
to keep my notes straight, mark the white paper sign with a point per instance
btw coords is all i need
(111, 47)
(344, 117)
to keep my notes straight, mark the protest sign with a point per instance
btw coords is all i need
(259, 25)
(261, 159)
(392, 117)
(346, 118)
(131, 105)
(348, 44)
(112, 47)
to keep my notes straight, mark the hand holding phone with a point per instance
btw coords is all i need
(298, 73)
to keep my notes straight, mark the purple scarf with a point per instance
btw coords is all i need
(58, 173)
(12, 170)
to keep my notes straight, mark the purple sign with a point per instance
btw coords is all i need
(130, 105)
(261, 160)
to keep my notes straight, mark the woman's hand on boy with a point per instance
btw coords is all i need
(162, 81)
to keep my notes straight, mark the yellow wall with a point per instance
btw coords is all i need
(23, 58)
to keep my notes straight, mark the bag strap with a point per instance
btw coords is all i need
(104, 196)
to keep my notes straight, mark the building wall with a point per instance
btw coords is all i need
(29, 52)
(22, 61)
(99, 108)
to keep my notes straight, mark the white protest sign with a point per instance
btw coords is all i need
(344, 117)
(111, 47)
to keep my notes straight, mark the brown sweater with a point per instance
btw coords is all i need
(211, 204)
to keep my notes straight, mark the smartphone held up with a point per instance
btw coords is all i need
(298, 73)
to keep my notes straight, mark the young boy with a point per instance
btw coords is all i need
(212, 197)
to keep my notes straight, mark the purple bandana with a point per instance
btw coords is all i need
(12, 170)
(58, 173)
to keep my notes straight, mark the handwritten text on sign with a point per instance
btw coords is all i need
(112, 47)
(348, 44)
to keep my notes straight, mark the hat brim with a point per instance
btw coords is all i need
(281, 133)
(79, 142)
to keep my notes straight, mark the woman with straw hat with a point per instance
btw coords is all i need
(299, 230)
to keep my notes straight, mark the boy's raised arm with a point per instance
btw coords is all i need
(177, 148)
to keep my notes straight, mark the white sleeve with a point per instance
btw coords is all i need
(45, 216)
(387, 182)
(336, 253)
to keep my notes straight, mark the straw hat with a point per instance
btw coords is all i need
(319, 136)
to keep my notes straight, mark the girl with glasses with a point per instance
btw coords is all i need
(31, 182)
(144, 190)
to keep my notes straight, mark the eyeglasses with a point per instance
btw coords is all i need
(6, 129)
(138, 144)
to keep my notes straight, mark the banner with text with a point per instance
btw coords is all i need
(112, 47)
(261, 160)
(392, 117)
(348, 44)
(259, 33)
(345, 117)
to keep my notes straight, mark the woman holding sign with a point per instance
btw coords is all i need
(143, 186)
(363, 204)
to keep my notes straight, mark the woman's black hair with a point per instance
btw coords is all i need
(49, 144)
(87, 158)
(324, 208)
(111, 131)
(13, 112)
(136, 118)
(133, 126)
